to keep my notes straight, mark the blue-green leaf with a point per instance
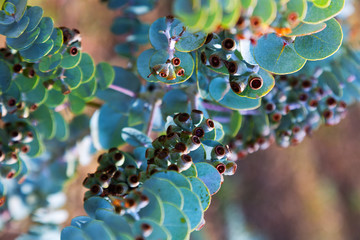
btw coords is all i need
(322, 44)
(277, 56)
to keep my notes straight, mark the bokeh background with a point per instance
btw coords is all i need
(307, 192)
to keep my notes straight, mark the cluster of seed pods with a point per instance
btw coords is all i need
(117, 181)
(26, 74)
(221, 55)
(184, 136)
(296, 107)
(15, 138)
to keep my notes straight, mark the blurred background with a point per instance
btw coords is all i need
(307, 192)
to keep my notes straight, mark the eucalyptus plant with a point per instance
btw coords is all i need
(221, 79)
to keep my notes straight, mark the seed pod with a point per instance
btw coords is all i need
(15, 136)
(17, 68)
(199, 132)
(218, 152)
(162, 70)
(184, 163)
(118, 176)
(96, 189)
(162, 160)
(171, 139)
(49, 84)
(180, 147)
(185, 136)
(255, 22)
(29, 72)
(146, 229)
(176, 61)
(120, 188)
(133, 180)
(193, 143)
(130, 203)
(215, 61)
(173, 167)
(230, 168)
(104, 180)
(238, 83)
(179, 71)
(118, 158)
(183, 120)
(220, 166)
(208, 125)
(228, 44)
(144, 201)
(203, 58)
(159, 142)
(196, 116)
(255, 81)
(73, 51)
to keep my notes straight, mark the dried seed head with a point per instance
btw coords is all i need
(210, 123)
(327, 114)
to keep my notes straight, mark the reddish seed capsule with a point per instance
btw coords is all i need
(176, 61)
(221, 168)
(235, 87)
(180, 72)
(73, 51)
(173, 167)
(11, 102)
(255, 22)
